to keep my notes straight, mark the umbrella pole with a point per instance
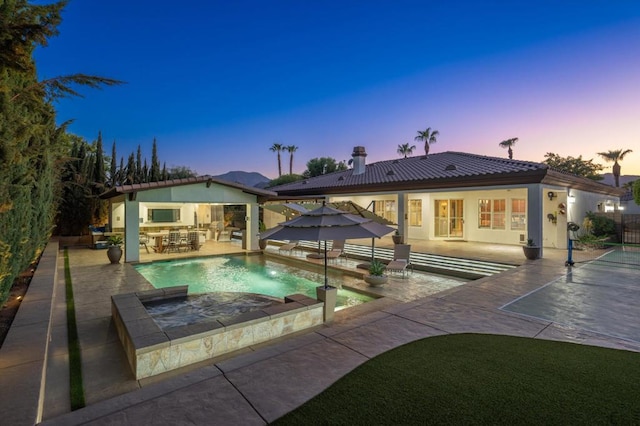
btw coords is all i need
(373, 249)
(326, 284)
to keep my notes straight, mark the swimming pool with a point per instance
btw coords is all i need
(244, 274)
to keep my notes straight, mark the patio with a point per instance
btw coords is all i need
(356, 334)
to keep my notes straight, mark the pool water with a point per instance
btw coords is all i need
(244, 274)
(206, 307)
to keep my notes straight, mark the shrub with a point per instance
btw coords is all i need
(601, 226)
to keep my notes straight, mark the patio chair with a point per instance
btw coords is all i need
(144, 239)
(337, 250)
(290, 247)
(193, 240)
(401, 259)
(174, 242)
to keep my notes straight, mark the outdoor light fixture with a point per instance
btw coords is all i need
(551, 195)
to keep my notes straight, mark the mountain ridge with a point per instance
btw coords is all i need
(245, 178)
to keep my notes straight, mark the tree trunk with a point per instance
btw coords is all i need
(616, 173)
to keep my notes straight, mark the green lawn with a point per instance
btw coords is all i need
(483, 379)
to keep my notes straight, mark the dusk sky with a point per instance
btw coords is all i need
(218, 82)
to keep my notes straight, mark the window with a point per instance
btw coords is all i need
(385, 209)
(499, 214)
(492, 214)
(484, 214)
(518, 214)
(415, 212)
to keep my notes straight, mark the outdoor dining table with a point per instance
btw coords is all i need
(159, 246)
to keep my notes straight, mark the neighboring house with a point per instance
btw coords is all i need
(181, 203)
(628, 204)
(466, 197)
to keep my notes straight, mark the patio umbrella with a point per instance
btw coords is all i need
(326, 223)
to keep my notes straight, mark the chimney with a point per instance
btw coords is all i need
(358, 158)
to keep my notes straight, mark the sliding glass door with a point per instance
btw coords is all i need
(449, 218)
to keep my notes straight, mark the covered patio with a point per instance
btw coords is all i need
(219, 211)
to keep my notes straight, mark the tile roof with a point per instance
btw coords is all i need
(440, 167)
(439, 171)
(124, 189)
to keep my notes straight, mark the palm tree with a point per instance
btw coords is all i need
(428, 137)
(277, 147)
(291, 149)
(508, 144)
(615, 156)
(405, 149)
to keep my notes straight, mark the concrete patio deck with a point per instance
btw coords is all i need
(259, 384)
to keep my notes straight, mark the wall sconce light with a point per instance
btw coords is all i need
(551, 195)
(562, 208)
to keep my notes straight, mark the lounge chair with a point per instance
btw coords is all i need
(337, 250)
(290, 247)
(401, 259)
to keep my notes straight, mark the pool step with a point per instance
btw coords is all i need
(448, 265)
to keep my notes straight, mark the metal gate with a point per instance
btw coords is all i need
(630, 229)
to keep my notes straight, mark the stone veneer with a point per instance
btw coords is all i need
(151, 351)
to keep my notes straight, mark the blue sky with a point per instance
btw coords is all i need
(218, 82)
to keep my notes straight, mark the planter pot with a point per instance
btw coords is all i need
(397, 239)
(531, 252)
(376, 280)
(114, 253)
(262, 244)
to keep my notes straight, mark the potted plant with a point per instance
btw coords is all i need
(376, 275)
(397, 238)
(531, 250)
(262, 243)
(114, 252)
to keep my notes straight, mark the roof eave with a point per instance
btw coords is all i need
(527, 177)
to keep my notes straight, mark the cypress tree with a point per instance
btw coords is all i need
(155, 163)
(113, 170)
(138, 175)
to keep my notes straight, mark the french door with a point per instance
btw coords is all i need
(449, 218)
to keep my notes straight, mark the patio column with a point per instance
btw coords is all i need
(252, 226)
(535, 214)
(402, 213)
(131, 231)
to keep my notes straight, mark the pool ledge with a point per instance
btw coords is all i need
(151, 350)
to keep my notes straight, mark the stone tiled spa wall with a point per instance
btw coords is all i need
(151, 351)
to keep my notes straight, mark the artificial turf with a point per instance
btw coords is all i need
(76, 388)
(483, 379)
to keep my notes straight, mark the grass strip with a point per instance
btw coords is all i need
(483, 379)
(75, 360)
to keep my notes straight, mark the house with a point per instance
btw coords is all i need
(189, 203)
(458, 196)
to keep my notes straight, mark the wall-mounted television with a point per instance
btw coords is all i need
(163, 215)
